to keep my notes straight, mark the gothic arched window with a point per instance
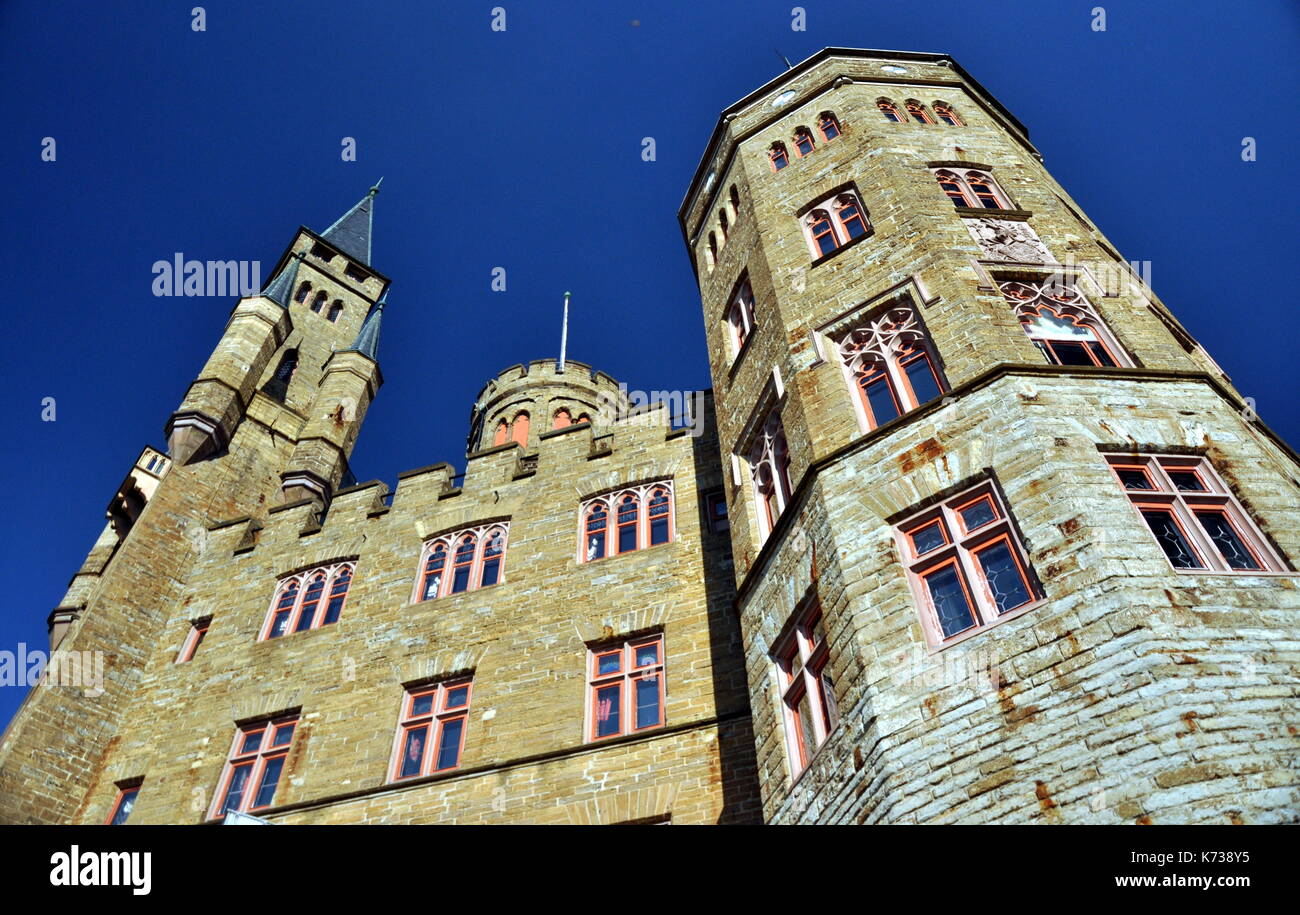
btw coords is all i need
(829, 125)
(740, 317)
(769, 463)
(890, 366)
(735, 202)
(519, 429)
(849, 214)
(888, 109)
(1062, 323)
(943, 111)
(971, 188)
(625, 521)
(778, 156)
(826, 233)
(502, 433)
(723, 223)
(918, 112)
(278, 386)
(298, 600)
(803, 141)
(462, 561)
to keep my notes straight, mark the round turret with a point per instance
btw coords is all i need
(524, 401)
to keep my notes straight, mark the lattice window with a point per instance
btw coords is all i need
(256, 762)
(431, 731)
(890, 365)
(625, 688)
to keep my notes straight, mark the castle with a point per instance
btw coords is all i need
(975, 531)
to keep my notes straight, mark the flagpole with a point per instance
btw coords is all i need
(564, 333)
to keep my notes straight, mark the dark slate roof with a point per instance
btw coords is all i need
(367, 342)
(351, 233)
(281, 286)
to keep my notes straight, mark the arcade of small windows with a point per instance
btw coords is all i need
(1062, 323)
(1193, 516)
(626, 520)
(807, 690)
(804, 141)
(431, 732)
(971, 188)
(318, 302)
(740, 318)
(832, 223)
(966, 565)
(625, 688)
(769, 465)
(563, 418)
(917, 112)
(728, 217)
(308, 600)
(514, 431)
(890, 365)
(254, 767)
(462, 561)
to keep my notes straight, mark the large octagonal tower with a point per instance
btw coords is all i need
(1009, 546)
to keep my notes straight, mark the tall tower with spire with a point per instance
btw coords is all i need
(268, 424)
(1009, 546)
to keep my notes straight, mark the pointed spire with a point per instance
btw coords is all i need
(351, 233)
(367, 342)
(281, 286)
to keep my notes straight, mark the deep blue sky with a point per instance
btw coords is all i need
(522, 149)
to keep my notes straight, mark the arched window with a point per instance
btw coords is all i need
(493, 555)
(594, 531)
(584, 418)
(723, 223)
(954, 188)
(462, 564)
(335, 310)
(1062, 323)
(503, 431)
(778, 156)
(849, 214)
(828, 125)
(660, 509)
(297, 605)
(971, 188)
(462, 561)
(735, 202)
(943, 111)
(625, 521)
(278, 386)
(319, 301)
(888, 109)
(890, 366)
(562, 419)
(303, 291)
(435, 567)
(825, 233)
(519, 429)
(821, 232)
(803, 141)
(918, 112)
(713, 248)
(769, 461)
(740, 317)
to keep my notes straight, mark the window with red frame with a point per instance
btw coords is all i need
(715, 504)
(966, 565)
(918, 112)
(943, 111)
(1193, 515)
(626, 687)
(832, 223)
(971, 188)
(431, 732)
(740, 317)
(308, 600)
(828, 125)
(124, 803)
(256, 763)
(193, 639)
(464, 560)
(890, 112)
(778, 156)
(1062, 323)
(803, 141)
(807, 690)
(891, 365)
(627, 520)
(769, 462)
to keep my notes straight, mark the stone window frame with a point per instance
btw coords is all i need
(299, 584)
(1077, 307)
(626, 678)
(452, 558)
(445, 709)
(962, 176)
(960, 550)
(261, 756)
(800, 658)
(1185, 505)
(642, 495)
(829, 209)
